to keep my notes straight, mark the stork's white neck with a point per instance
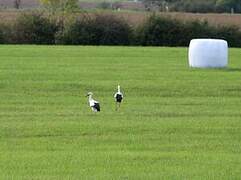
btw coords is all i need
(118, 88)
(90, 98)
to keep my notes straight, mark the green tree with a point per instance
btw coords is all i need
(195, 5)
(228, 5)
(17, 4)
(60, 5)
(161, 5)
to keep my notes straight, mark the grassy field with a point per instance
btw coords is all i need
(175, 122)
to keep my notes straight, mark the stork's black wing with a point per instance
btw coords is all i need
(97, 106)
(119, 98)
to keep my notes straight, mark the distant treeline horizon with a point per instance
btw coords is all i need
(194, 6)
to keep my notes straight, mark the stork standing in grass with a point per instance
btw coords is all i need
(118, 97)
(95, 105)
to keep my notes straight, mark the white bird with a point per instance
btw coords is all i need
(118, 97)
(95, 105)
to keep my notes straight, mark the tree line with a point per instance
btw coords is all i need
(110, 29)
(205, 6)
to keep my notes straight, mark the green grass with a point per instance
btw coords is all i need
(175, 122)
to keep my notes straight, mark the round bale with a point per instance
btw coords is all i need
(208, 53)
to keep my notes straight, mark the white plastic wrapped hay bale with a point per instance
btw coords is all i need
(208, 53)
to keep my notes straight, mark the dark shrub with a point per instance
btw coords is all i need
(34, 28)
(95, 30)
(160, 31)
(111, 30)
(230, 33)
(228, 6)
(205, 6)
(198, 29)
(1, 34)
(77, 30)
(6, 33)
(105, 5)
(163, 31)
(85, 29)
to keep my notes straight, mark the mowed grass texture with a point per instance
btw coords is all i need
(175, 122)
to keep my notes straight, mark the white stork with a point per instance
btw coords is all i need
(118, 97)
(95, 105)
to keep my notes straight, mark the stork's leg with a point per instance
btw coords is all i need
(94, 110)
(116, 106)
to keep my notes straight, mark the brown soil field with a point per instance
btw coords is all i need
(213, 19)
